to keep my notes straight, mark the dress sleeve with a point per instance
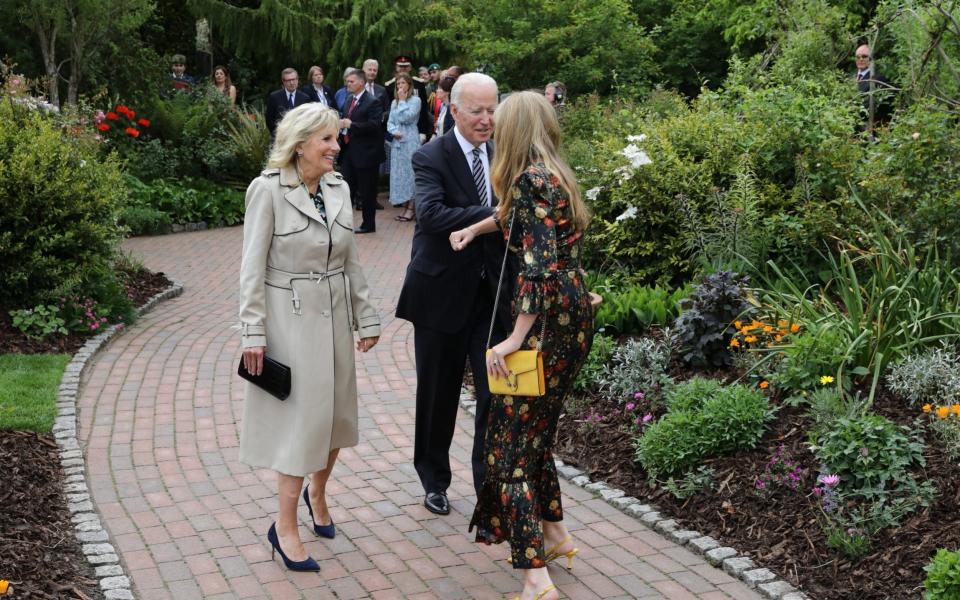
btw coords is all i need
(535, 218)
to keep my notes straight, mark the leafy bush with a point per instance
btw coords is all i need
(691, 483)
(639, 365)
(827, 405)
(871, 454)
(943, 576)
(928, 376)
(591, 373)
(811, 355)
(945, 424)
(691, 394)
(40, 321)
(703, 330)
(636, 308)
(144, 220)
(733, 418)
(58, 211)
(183, 201)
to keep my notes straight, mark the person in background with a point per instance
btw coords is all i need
(179, 80)
(556, 94)
(286, 98)
(423, 73)
(402, 127)
(221, 81)
(302, 297)
(433, 78)
(875, 88)
(442, 117)
(316, 90)
(543, 215)
(403, 64)
(362, 146)
(341, 95)
(370, 70)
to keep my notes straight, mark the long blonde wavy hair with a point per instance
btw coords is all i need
(527, 131)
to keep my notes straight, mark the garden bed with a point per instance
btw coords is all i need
(39, 554)
(778, 526)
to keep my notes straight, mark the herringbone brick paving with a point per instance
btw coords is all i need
(158, 416)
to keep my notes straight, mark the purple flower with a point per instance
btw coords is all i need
(638, 396)
(817, 491)
(631, 406)
(647, 418)
(760, 484)
(830, 480)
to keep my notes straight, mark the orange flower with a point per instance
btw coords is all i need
(767, 329)
(955, 409)
(750, 339)
(943, 412)
(782, 323)
(795, 328)
(927, 408)
(738, 324)
(764, 384)
(734, 343)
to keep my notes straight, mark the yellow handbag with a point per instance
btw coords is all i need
(525, 367)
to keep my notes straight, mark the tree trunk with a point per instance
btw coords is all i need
(48, 47)
(77, 47)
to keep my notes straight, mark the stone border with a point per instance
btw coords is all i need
(729, 559)
(89, 531)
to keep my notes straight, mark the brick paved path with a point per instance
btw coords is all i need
(158, 417)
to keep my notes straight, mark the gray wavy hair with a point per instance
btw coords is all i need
(298, 125)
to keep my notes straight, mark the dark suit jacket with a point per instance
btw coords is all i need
(876, 87)
(440, 284)
(277, 106)
(315, 97)
(365, 149)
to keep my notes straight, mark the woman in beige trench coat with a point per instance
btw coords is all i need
(302, 297)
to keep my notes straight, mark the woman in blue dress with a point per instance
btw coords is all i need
(402, 126)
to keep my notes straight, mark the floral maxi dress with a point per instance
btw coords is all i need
(403, 119)
(521, 486)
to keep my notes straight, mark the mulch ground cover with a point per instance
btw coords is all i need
(778, 526)
(39, 554)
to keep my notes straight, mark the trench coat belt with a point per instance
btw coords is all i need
(284, 280)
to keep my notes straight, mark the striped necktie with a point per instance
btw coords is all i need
(478, 178)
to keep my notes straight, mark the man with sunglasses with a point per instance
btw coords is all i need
(876, 89)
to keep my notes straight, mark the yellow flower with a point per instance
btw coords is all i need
(943, 412)
(764, 384)
(782, 323)
(826, 379)
(767, 329)
(738, 324)
(4, 586)
(795, 328)
(955, 409)
(734, 343)
(927, 408)
(750, 339)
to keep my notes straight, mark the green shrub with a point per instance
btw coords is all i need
(144, 220)
(639, 365)
(591, 373)
(58, 211)
(635, 308)
(943, 576)
(185, 201)
(40, 321)
(733, 418)
(691, 394)
(929, 376)
(812, 354)
(703, 330)
(871, 454)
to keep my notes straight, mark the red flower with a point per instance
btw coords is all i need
(132, 132)
(125, 111)
(112, 116)
(143, 122)
(103, 127)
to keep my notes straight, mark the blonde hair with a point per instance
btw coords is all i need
(296, 126)
(527, 131)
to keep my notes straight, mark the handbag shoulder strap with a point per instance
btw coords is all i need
(496, 299)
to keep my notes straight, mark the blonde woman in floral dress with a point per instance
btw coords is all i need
(519, 501)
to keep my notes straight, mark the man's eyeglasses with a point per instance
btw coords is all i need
(178, 64)
(863, 56)
(291, 80)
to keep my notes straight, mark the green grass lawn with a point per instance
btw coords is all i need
(28, 390)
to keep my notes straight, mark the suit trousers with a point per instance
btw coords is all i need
(441, 360)
(363, 186)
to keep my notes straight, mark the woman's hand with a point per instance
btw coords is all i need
(398, 136)
(253, 359)
(460, 239)
(496, 366)
(366, 343)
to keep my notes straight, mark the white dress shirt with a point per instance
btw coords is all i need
(467, 148)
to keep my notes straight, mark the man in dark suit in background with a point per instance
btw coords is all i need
(361, 143)
(282, 100)
(875, 88)
(447, 295)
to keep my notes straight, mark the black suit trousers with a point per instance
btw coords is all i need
(363, 187)
(441, 359)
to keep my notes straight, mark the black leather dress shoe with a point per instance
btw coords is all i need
(364, 230)
(437, 503)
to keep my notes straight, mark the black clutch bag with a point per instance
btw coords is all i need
(275, 378)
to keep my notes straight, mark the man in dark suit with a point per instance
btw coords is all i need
(370, 70)
(282, 100)
(361, 143)
(447, 295)
(876, 89)
(317, 91)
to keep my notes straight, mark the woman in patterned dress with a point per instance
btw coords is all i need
(520, 498)
(402, 127)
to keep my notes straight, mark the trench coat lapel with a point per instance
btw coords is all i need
(333, 192)
(296, 194)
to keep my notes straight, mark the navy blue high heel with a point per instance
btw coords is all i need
(294, 565)
(327, 531)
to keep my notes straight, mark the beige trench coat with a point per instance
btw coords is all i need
(302, 295)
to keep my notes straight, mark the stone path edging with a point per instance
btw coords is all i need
(729, 559)
(89, 530)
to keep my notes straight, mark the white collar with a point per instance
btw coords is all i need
(466, 145)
